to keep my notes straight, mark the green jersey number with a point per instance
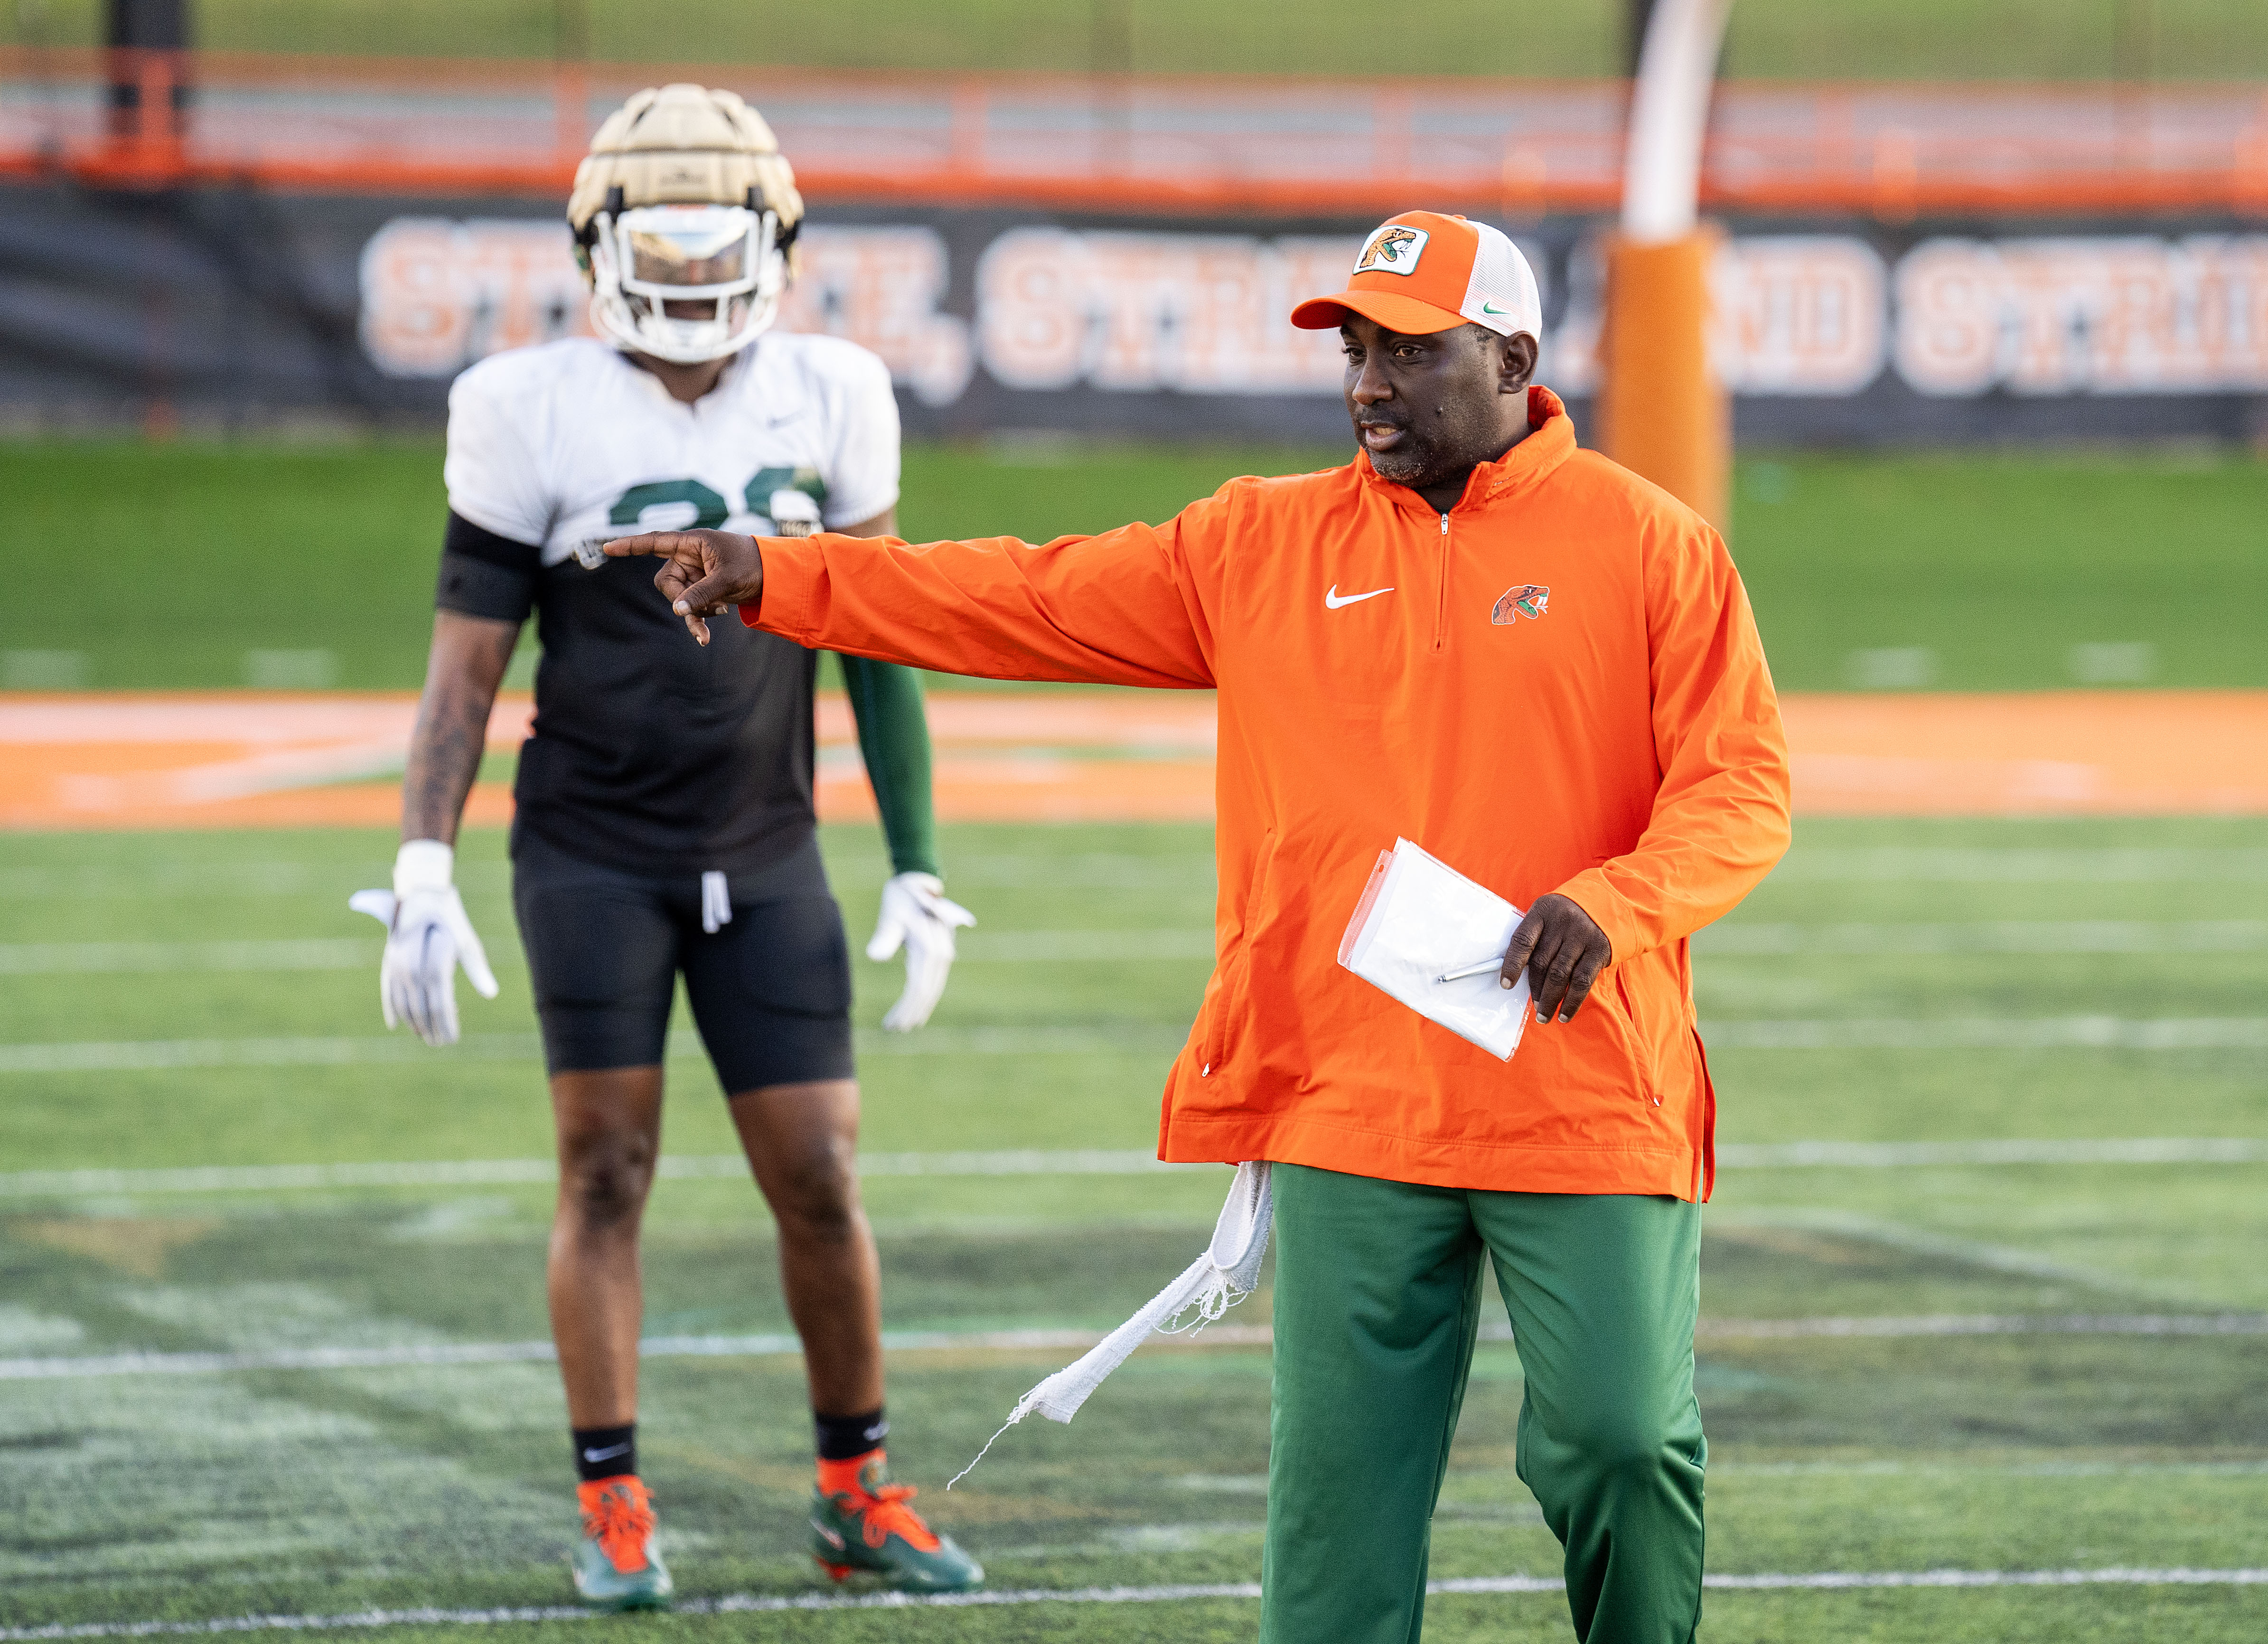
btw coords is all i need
(764, 482)
(709, 510)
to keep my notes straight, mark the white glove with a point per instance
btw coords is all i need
(427, 937)
(917, 916)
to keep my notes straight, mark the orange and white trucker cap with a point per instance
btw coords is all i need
(1422, 272)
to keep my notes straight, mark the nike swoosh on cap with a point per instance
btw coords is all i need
(1488, 308)
(1333, 599)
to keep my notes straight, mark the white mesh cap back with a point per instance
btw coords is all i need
(1501, 293)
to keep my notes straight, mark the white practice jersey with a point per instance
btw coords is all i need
(650, 752)
(568, 442)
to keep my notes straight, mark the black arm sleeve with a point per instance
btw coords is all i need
(486, 575)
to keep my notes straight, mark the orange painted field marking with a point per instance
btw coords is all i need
(2133, 753)
(241, 760)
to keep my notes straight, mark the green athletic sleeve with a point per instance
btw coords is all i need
(894, 737)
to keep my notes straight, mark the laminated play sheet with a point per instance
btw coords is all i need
(1418, 920)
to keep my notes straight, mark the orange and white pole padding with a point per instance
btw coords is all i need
(1662, 412)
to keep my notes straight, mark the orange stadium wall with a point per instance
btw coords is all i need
(234, 307)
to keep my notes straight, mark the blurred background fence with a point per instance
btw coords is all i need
(1121, 142)
(241, 235)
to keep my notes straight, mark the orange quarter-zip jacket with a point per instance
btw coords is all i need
(1556, 686)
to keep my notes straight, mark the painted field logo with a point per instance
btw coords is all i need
(1528, 600)
(1394, 249)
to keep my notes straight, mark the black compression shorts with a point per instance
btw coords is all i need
(770, 990)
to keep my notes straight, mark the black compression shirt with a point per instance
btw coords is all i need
(649, 752)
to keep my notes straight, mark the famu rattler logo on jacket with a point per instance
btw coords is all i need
(1530, 600)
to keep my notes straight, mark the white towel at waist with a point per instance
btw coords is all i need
(1228, 1272)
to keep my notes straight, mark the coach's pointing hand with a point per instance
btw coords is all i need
(1563, 952)
(704, 573)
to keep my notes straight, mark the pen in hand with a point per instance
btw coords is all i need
(1472, 970)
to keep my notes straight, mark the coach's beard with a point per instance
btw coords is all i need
(1444, 453)
(1412, 463)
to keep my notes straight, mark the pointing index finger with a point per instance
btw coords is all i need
(671, 544)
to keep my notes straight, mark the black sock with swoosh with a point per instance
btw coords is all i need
(605, 1452)
(846, 1438)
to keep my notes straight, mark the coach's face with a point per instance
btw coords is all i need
(1428, 407)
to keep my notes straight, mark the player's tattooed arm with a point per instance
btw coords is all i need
(462, 672)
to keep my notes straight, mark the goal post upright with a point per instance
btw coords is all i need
(1661, 411)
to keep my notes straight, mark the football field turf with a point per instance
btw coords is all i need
(224, 564)
(1981, 1292)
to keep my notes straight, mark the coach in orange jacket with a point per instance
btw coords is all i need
(1542, 669)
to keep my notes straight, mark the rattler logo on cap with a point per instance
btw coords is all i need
(1392, 249)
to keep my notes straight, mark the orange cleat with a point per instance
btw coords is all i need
(616, 1564)
(862, 1523)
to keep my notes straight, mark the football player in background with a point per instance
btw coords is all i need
(665, 822)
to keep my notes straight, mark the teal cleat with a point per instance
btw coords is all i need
(616, 1564)
(860, 1524)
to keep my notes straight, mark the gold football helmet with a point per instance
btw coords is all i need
(684, 204)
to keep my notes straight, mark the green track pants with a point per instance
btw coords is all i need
(1378, 1297)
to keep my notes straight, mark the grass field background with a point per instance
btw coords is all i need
(1857, 39)
(2035, 1348)
(321, 1492)
(1959, 572)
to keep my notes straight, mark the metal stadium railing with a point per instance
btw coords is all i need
(1143, 144)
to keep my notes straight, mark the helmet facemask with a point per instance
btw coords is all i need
(686, 283)
(684, 204)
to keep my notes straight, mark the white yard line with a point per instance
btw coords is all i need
(1077, 1162)
(428, 1354)
(1117, 947)
(159, 875)
(1988, 1324)
(1830, 1033)
(346, 953)
(2012, 863)
(116, 1056)
(119, 1056)
(767, 1604)
(2013, 1150)
(152, 875)
(286, 1177)
(1086, 947)
(1991, 1033)
(1092, 1161)
(273, 771)
(331, 953)
(1083, 871)
(474, 1353)
(1830, 1581)
(2001, 936)
(509, 1172)
(1949, 1469)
